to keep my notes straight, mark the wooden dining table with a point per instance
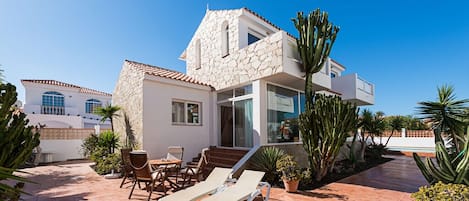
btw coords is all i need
(163, 164)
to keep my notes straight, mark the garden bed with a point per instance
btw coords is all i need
(344, 172)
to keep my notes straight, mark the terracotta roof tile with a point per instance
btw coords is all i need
(163, 72)
(63, 84)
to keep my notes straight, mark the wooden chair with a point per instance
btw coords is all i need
(125, 166)
(143, 173)
(174, 152)
(194, 171)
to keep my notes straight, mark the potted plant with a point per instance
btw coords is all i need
(290, 172)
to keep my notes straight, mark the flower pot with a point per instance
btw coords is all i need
(291, 186)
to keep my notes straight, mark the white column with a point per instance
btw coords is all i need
(403, 132)
(97, 129)
(259, 113)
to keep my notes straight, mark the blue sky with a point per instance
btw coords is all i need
(405, 47)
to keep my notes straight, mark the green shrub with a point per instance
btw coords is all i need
(441, 191)
(266, 161)
(105, 162)
(108, 163)
(375, 151)
(109, 140)
(89, 145)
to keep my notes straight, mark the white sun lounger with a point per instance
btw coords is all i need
(215, 180)
(246, 188)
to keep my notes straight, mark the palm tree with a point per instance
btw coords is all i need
(447, 114)
(396, 124)
(108, 112)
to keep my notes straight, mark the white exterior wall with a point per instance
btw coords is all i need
(55, 121)
(62, 150)
(74, 103)
(347, 85)
(158, 131)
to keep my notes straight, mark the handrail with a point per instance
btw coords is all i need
(238, 167)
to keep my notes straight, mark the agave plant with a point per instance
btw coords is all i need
(266, 161)
(449, 170)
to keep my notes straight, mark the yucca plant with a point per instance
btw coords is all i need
(324, 129)
(449, 170)
(17, 140)
(265, 160)
(447, 114)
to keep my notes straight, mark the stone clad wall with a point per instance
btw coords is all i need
(128, 95)
(252, 62)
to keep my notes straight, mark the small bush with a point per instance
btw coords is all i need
(375, 151)
(108, 163)
(441, 191)
(89, 145)
(266, 161)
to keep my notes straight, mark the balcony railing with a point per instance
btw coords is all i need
(52, 110)
(364, 86)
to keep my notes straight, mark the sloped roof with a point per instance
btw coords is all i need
(163, 72)
(63, 84)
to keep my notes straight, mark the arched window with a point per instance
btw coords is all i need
(53, 103)
(197, 54)
(91, 105)
(225, 39)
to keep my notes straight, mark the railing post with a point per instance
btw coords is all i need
(403, 133)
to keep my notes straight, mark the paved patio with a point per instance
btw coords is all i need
(394, 180)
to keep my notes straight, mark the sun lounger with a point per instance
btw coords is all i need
(246, 188)
(215, 180)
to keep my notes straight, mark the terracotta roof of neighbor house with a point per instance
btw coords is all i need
(165, 73)
(63, 84)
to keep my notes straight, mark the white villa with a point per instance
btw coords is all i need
(61, 105)
(243, 88)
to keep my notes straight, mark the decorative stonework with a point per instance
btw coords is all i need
(252, 62)
(128, 95)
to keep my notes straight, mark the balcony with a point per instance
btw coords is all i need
(354, 89)
(274, 58)
(52, 110)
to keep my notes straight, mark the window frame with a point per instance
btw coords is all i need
(255, 34)
(198, 55)
(300, 92)
(225, 40)
(92, 103)
(186, 114)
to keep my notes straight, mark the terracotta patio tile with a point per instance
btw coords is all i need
(394, 180)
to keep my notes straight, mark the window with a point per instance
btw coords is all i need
(53, 103)
(197, 54)
(283, 110)
(186, 113)
(225, 39)
(333, 75)
(91, 105)
(252, 38)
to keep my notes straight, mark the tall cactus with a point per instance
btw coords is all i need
(330, 122)
(17, 140)
(449, 170)
(314, 43)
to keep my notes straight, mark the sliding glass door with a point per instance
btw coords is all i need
(235, 117)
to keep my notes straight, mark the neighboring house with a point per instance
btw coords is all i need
(61, 105)
(243, 87)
